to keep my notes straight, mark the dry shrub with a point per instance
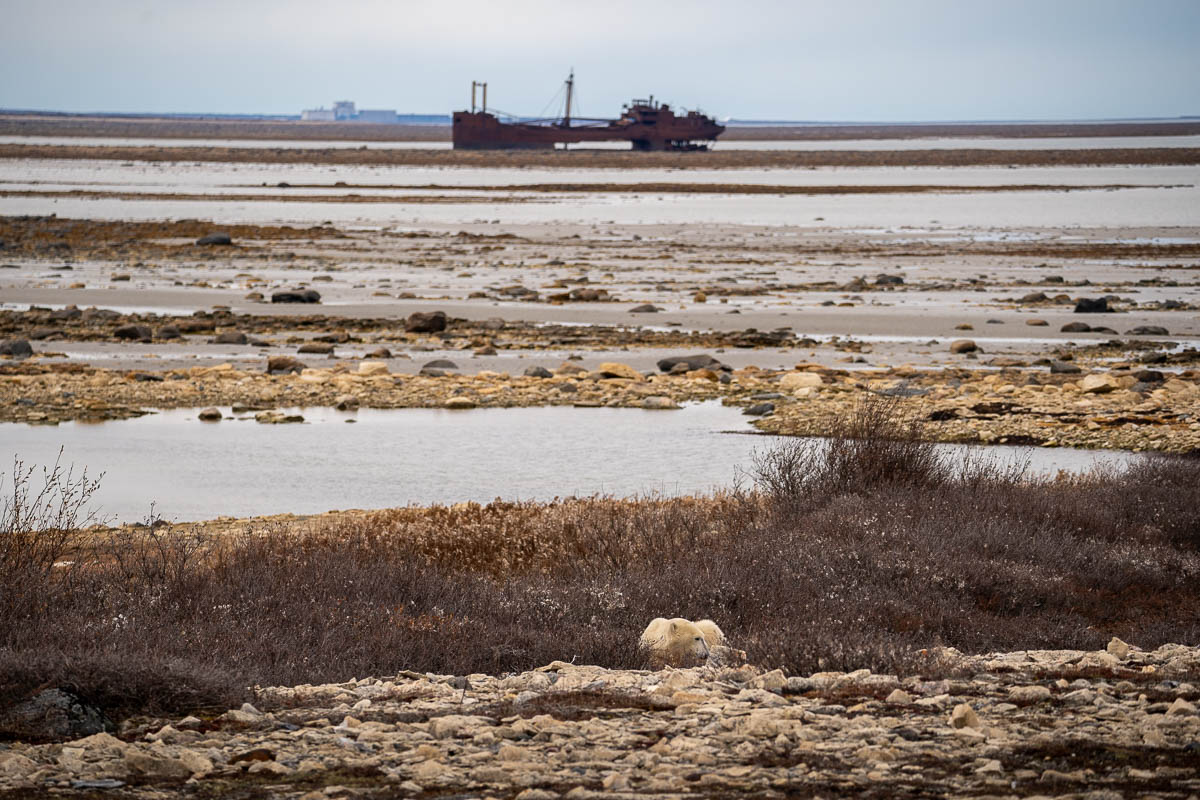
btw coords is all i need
(857, 555)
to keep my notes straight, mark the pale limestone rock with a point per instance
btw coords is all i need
(1181, 707)
(1118, 648)
(899, 697)
(963, 716)
(773, 681)
(615, 369)
(368, 368)
(792, 381)
(1101, 383)
(1028, 694)
(153, 765)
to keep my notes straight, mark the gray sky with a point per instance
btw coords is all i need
(752, 59)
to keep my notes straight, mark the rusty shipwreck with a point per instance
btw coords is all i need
(647, 125)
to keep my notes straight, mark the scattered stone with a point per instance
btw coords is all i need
(793, 381)
(220, 239)
(440, 363)
(1034, 297)
(699, 361)
(960, 346)
(1064, 368)
(658, 402)
(425, 322)
(211, 415)
(615, 369)
(759, 409)
(1099, 384)
(538, 372)
(345, 402)
(1148, 330)
(296, 296)
(1092, 305)
(140, 333)
(1036, 323)
(168, 332)
(277, 418)
(1149, 376)
(459, 403)
(1075, 327)
(229, 337)
(1118, 648)
(284, 365)
(963, 716)
(315, 348)
(899, 697)
(645, 308)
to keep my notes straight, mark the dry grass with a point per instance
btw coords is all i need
(857, 554)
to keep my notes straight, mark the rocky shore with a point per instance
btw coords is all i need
(1115, 723)
(1127, 407)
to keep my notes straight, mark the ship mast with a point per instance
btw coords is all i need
(566, 123)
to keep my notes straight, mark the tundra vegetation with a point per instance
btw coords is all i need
(864, 551)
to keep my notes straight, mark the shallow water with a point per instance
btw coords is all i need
(194, 470)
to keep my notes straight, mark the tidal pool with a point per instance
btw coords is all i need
(193, 470)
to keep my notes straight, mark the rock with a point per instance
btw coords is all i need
(380, 352)
(229, 337)
(17, 348)
(215, 239)
(296, 296)
(1148, 330)
(700, 361)
(658, 402)
(1036, 323)
(699, 297)
(1075, 327)
(963, 716)
(1180, 708)
(439, 363)
(1149, 376)
(899, 697)
(315, 348)
(1064, 368)
(133, 332)
(1096, 305)
(615, 369)
(284, 365)
(569, 368)
(1028, 694)
(645, 308)
(459, 403)
(53, 714)
(538, 372)
(425, 322)
(1118, 648)
(759, 409)
(1034, 297)
(963, 346)
(154, 765)
(168, 332)
(369, 368)
(345, 402)
(276, 418)
(210, 415)
(888, 280)
(792, 381)
(1101, 383)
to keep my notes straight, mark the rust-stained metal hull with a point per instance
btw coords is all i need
(645, 125)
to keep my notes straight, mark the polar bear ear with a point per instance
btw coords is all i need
(674, 626)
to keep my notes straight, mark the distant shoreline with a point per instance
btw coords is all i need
(115, 126)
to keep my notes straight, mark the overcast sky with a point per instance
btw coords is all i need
(752, 59)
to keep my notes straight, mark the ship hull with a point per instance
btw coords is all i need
(661, 130)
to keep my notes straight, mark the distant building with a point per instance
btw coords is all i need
(376, 115)
(345, 111)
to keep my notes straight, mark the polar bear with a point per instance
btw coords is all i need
(679, 642)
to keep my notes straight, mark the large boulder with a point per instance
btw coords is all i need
(963, 346)
(426, 322)
(296, 296)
